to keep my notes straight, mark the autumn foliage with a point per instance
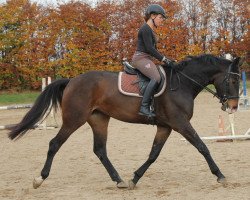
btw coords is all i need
(71, 38)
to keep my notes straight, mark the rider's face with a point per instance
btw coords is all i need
(158, 19)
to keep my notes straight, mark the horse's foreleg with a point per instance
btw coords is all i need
(99, 124)
(162, 135)
(190, 134)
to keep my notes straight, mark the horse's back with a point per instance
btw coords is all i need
(91, 85)
(97, 76)
(92, 78)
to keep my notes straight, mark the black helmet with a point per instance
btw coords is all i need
(155, 9)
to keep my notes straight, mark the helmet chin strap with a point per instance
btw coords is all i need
(153, 20)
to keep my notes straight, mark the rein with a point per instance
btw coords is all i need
(223, 99)
(202, 86)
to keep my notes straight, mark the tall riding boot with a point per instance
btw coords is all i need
(147, 97)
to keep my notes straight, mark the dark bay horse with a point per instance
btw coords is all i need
(93, 97)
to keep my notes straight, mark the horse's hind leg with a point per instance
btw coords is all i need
(161, 136)
(71, 123)
(99, 124)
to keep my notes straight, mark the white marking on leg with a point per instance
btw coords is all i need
(37, 182)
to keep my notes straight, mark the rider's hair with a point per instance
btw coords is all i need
(147, 16)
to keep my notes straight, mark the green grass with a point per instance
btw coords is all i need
(248, 84)
(18, 98)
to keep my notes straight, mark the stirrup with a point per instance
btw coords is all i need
(150, 115)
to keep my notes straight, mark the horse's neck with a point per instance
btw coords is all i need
(200, 73)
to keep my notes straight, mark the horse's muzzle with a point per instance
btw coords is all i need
(230, 106)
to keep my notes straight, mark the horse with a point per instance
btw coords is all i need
(93, 97)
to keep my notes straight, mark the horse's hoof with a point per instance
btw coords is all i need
(222, 180)
(122, 184)
(37, 182)
(131, 185)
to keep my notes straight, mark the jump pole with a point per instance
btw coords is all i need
(228, 137)
(16, 107)
(13, 107)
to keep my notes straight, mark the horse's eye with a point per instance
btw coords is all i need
(235, 80)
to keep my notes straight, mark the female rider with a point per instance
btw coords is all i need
(146, 51)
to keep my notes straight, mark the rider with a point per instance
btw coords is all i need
(146, 51)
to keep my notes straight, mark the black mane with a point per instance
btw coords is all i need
(204, 58)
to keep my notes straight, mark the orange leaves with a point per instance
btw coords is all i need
(73, 38)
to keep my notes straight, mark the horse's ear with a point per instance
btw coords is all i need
(236, 61)
(235, 64)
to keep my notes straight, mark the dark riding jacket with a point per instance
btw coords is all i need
(147, 42)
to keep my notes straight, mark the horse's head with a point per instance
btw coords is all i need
(227, 86)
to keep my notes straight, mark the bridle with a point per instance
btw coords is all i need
(223, 99)
(227, 80)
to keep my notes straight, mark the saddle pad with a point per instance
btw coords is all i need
(128, 84)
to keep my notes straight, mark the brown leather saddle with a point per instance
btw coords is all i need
(132, 82)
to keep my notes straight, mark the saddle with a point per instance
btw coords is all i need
(132, 82)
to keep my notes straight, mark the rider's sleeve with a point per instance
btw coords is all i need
(147, 36)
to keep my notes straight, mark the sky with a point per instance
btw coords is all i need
(45, 2)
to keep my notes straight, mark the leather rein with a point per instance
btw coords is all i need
(223, 99)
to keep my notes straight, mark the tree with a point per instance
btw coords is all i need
(71, 38)
(173, 36)
(127, 19)
(16, 28)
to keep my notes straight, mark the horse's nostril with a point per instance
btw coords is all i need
(235, 107)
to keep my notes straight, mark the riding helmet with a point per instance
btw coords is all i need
(155, 9)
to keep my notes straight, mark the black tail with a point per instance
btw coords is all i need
(50, 97)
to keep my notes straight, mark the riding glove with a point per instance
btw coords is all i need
(168, 61)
